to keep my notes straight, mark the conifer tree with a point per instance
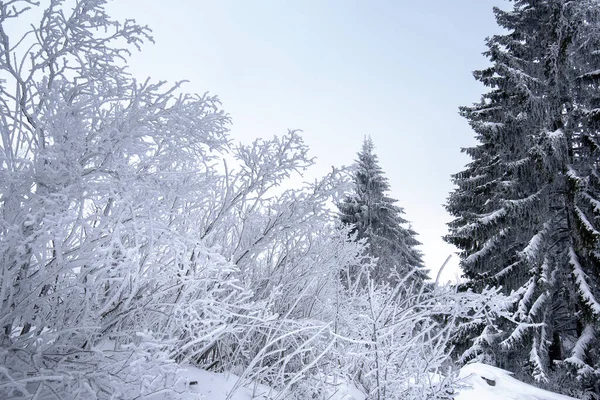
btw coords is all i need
(527, 210)
(379, 220)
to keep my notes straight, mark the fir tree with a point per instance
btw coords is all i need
(379, 220)
(527, 210)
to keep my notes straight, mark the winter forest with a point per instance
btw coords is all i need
(146, 253)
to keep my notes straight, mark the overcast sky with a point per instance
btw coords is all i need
(338, 70)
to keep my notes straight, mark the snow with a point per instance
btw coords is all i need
(533, 247)
(343, 390)
(557, 134)
(478, 382)
(572, 174)
(217, 386)
(492, 217)
(580, 277)
(505, 387)
(595, 203)
(488, 246)
(525, 301)
(578, 353)
(492, 126)
(583, 219)
(221, 386)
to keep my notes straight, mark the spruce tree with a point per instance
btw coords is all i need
(527, 209)
(377, 218)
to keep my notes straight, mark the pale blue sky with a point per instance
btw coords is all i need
(338, 70)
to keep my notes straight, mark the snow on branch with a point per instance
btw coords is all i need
(539, 370)
(574, 176)
(584, 289)
(488, 246)
(532, 251)
(578, 355)
(587, 226)
(594, 203)
(518, 334)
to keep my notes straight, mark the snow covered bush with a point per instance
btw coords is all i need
(395, 341)
(127, 241)
(103, 263)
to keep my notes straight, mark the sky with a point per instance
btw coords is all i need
(338, 70)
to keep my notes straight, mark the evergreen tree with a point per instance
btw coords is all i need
(377, 219)
(527, 210)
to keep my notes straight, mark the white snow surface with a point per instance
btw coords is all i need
(501, 386)
(505, 386)
(207, 385)
(218, 386)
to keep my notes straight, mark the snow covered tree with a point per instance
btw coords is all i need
(526, 208)
(377, 219)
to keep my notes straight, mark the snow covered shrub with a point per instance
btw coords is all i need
(394, 341)
(127, 241)
(288, 252)
(99, 173)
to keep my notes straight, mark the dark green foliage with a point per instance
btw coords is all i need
(376, 218)
(527, 209)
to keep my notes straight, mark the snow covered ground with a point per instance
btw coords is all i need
(212, 386)
(491, 383)
(482, 382)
